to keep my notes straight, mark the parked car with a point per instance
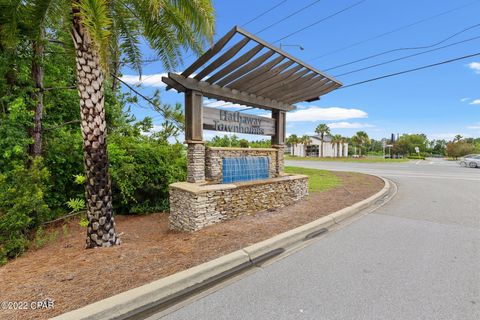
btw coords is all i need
(471, 160)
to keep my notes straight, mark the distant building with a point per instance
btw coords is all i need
(313, 149)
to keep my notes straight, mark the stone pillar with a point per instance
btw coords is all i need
(196, 161)
(194, 137)
(279, 170)
(278, 140)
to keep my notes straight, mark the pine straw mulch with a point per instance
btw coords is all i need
(74, 277)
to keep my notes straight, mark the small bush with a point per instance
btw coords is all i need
(141, 172)
(22, 207)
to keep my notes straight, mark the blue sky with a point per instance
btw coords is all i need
(441, 101)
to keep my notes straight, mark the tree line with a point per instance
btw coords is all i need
(405, 145)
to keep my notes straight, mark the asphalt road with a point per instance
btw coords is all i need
(417, 257)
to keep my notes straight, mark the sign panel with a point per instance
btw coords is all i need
(237, 122)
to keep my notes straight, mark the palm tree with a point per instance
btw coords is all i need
(336, 141)
(360, 139)
(306, 141)
(291, 141)
(103, 31)
(322, 130)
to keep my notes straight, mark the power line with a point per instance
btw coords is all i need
(404, 49)
(321, 20)
(411, 70)
(395, 30)
(406, 57)
(265, 12)
(288, 16)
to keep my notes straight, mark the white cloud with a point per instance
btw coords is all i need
(319, 114)
(476, 126)
(148, 80)
(475, 66)
(349, 125)
(476, 101)
(464, 99)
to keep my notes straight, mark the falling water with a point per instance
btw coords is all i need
(245, 169)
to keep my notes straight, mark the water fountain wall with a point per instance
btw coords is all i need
(244, 169)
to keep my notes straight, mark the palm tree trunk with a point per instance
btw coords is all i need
(321, 147)
(37, 76)
(101, 224)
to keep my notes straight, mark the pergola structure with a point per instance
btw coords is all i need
(249, 72)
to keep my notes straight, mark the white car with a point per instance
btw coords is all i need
(471, 160)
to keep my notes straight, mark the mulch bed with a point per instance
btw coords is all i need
(74, 277)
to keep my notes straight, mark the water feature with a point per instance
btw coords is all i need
(245, 169)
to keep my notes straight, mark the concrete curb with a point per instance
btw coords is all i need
(137, 300)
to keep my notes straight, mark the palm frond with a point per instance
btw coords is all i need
(128, 32)
(170, 25)
(11, 12)
(96, 20)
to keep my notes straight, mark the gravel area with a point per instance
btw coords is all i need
(73, 277)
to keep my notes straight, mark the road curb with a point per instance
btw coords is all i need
(156, 293)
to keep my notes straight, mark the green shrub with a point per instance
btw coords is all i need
(142, 169)
(416, 157)
(22, 206)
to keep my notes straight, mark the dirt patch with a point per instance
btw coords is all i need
(74, 277)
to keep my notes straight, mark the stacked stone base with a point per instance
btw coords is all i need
(195, 206)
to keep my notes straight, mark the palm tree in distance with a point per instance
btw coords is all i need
(306, 141)
(322, 130)
(292, 141)
(336, 141)
(102, 33)
(360, 139)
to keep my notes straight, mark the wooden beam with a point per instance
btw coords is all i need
(193, 116)
(308, 92)
(315, 92)
(255, 73)
(302, 87)
(279, 137)
(268, 86)
(222, 59)
(235, 64)
(231, 95)
(265, 77)
(291, 82)
(210, 53)
(249, 66)
(283, 53)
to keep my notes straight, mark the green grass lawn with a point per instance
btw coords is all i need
(319, 180)
(364, 160)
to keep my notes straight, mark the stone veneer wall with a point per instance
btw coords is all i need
(214, 156)
(194, 206)
(196, 162)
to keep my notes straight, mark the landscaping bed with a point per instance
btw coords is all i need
(73, 277)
